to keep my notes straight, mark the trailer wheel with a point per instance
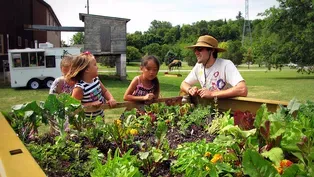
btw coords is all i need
(34, 84)
(48, 82)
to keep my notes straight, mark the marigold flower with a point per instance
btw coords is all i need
(207, 154)
(216, 158)
(285, 163)
(133, 132)
(167, 121)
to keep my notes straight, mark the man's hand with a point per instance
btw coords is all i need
(193, 91)
(205, 93)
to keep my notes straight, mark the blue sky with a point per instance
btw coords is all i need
(143, 12)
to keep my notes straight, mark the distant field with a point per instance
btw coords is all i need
(277, 85)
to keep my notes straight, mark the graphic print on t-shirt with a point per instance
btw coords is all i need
(95, 96)
(216, 82)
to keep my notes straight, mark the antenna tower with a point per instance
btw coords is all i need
(87, 6)
(247, 35)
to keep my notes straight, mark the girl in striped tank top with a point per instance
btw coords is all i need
(145, 87)
(88, 88)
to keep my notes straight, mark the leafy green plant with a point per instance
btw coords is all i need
(25, 119)
(116, 166)
(256, 166)
(200, 159)
(219, 122)
(62, 157)
(200, 116)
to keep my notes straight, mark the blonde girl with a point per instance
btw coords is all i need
(60, 85)
(88, 88)
(145, 87)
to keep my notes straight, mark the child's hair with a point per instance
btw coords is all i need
(79, 65)
(144, 63)
(66, 61)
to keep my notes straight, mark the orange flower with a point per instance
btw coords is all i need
(216, 158)
(279, 169)
(285, 163)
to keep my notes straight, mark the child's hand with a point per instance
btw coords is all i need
(96, 103)
(112, 102)
(149, 96)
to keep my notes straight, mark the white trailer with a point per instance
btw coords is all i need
(36, 67)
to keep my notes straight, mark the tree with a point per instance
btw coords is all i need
(77, 38)
(248, 57)
(132, 54)
(154, 49)
(63, 44)
(239, 16)
(135, 39)
(234, 52)
(293, 24)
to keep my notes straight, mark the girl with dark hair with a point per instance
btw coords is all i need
(145, 87)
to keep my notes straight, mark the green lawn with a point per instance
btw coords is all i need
(277, 85)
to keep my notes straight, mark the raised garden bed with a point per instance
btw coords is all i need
(175, 140)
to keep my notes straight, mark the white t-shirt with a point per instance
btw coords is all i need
(220, 76)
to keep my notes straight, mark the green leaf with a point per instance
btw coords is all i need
(143, 155)
(293, 105)
(275, 155)
(52, 104)
(299, 156)
(255, 165)
(69, 101)
(261, 116)
(290, 139)
(291, 171)
(157, 155)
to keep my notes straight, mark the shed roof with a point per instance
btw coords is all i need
(82, 17)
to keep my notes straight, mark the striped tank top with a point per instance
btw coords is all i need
(91, 92)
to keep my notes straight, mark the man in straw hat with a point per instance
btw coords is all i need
(217, 77)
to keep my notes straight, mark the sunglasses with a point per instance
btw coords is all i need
(199, 49)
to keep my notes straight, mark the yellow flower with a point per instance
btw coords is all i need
(133, 132)
(207, 168)
(207, 154)
(216, 158)
(117, 122)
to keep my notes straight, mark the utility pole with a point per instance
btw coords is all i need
(246, 26)
(87, 6)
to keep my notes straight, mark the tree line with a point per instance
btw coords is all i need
(284, 34)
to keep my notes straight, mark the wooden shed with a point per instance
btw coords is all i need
(106, 36)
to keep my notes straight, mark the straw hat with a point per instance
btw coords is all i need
(207, 41)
